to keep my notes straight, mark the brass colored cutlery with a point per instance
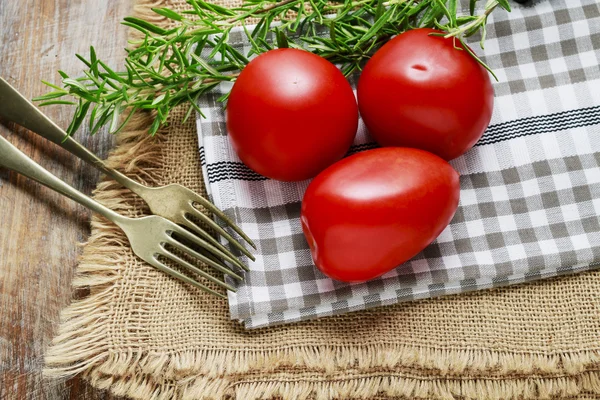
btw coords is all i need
(173, 206)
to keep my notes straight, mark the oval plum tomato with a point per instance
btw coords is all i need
(420, 91)
(372, 211)
(291, 114)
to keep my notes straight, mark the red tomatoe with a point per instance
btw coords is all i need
(291, 114)
(419, 91)
(372, 211)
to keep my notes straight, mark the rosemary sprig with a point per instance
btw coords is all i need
(170, 67)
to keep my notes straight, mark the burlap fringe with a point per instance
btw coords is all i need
(330, 361)
(365, 386)
(82, 345)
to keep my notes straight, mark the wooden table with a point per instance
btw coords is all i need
(39, 229)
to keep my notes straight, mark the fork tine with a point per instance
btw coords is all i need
(215, 210)
(205, 218)
(201, 232)
(195, 239)
(161, 267)
(215, 259)
(197, 270)
(213, 263)
(226, 255)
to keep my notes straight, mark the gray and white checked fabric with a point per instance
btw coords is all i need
(530, 189)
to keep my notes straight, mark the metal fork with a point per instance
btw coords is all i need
(173, 202)
(148, 236)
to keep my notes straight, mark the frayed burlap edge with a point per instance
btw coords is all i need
(82, 344)
(301, 386)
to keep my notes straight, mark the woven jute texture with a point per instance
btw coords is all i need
(142, 334)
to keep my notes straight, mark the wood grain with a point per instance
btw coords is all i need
(39, 229)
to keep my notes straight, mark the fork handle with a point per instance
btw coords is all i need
(16, 108)
(12, 158)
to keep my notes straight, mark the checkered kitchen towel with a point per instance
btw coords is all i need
(530, 189)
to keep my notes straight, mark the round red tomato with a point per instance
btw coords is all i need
(419, 91)
(291, 114)
(372, 211)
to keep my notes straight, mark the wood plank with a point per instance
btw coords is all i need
(39, 229)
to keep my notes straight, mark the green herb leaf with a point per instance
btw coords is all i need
(375, 27)
(51, 95)
(445, 11)
(80, 113)
(504, 4)
(65, 102)
(158, 99)
(452, 12)
(166, 12)
(52, 86)
(144, 26)
(380, 9)
(282, 41)
(76, 83)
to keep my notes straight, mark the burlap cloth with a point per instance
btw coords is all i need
(142, 334)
